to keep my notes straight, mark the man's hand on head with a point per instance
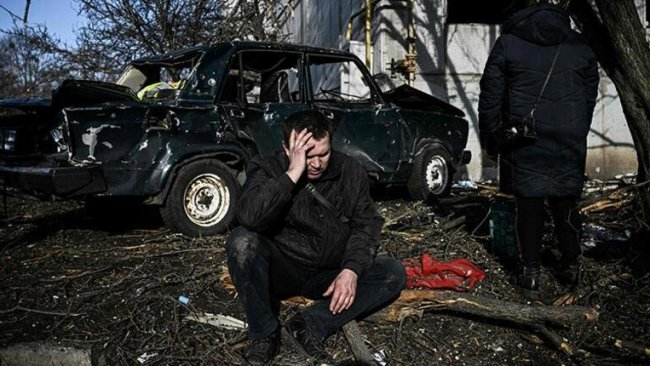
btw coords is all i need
(343, 290)
(296, 149)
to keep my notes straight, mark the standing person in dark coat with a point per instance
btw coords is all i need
(552, 169)
(289, 243)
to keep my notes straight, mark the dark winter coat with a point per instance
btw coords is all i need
(303, 229)
(514, 76)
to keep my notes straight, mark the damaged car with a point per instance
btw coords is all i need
(177, 130)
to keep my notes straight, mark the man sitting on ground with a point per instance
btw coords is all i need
(291, 242)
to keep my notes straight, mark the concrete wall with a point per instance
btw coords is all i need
(450, 60)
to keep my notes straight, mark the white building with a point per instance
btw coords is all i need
(451, 40)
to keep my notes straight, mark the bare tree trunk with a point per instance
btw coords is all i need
(617, 36)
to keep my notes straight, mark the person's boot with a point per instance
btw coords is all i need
(528, 282)
(569, 275)
(312, 346)
(261, 351)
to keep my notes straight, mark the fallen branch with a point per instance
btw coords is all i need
(602, 205)
(36, 311)
(412, 302)
(83, 274)
(557, 341)
(357, 344)
(636, 348)
(416, 302)
(453, 223)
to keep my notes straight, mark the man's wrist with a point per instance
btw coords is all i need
(354, 267)
(294, 175)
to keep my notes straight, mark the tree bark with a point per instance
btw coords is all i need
(617, 37)
(415, 302)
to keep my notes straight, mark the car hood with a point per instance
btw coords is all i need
(408, 97)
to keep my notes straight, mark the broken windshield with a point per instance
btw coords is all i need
(162, 78)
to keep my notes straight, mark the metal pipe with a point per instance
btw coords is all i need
(368, 35)
(408, 64)
(353, 16)
(410, 40)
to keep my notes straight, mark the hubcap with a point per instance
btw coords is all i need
(436, 175)
(206, 200)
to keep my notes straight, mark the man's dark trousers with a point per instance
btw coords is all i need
(263, 276)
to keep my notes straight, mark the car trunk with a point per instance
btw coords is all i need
(28, 127)
(39, 137)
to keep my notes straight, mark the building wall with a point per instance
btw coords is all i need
(450, 60)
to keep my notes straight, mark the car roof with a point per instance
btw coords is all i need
(182, 53)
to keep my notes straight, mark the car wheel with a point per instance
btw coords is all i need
(202, 199)
(432, 174)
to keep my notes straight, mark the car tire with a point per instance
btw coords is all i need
(432, 174)
(202, 199)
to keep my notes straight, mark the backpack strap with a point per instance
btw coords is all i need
(323, 201)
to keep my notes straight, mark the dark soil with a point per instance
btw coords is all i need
(112, 284)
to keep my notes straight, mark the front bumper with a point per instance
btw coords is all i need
(58, 181)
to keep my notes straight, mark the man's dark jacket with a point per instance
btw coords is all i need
(513, 77)
(302, 228)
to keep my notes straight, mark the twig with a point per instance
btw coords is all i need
(557, 341)
(177, 252)
(637, 348)
(44, 312)
(87, 273)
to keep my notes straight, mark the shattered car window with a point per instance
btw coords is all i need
(337, 80)
(160, 79)
(266, 77)
(171, 82)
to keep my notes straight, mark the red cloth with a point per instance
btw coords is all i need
(458, 274)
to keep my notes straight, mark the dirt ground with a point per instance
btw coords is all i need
(113, 285)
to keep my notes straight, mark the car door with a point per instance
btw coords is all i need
(365, 127)
(262, 88)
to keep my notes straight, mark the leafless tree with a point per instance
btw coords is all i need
(119, 30)
(27, 69)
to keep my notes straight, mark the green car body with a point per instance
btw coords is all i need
(178, 130)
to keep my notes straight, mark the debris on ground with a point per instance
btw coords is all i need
(115, 289)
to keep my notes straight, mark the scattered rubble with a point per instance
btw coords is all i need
(72, 282)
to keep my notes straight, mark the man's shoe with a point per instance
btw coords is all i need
(528, 282)
(569, 275)
(312, 346)
(261, 351)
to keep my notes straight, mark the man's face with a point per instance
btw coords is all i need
(318, 158)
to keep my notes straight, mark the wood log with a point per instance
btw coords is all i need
(415, 302)
(357, 344)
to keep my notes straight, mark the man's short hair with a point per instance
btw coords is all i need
(313, 121)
